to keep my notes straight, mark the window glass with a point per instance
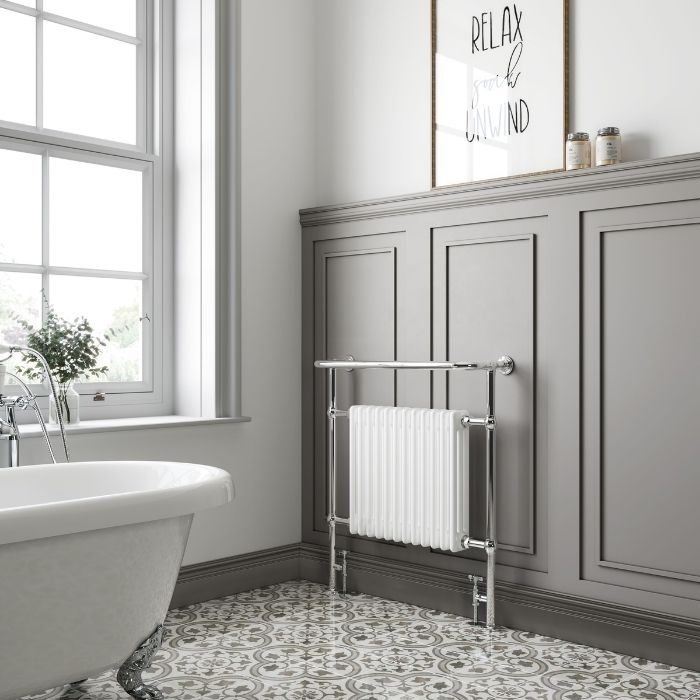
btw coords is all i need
(107, 304)
(89, 84)
(17, 68)
(117, 15)
(95, 216)
(21, 298)
(20, 208)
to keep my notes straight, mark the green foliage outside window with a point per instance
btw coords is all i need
(71, 349)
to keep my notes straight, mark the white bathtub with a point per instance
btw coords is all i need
(89, 556)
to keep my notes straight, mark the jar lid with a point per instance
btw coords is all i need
(609, 131)
(577, 136)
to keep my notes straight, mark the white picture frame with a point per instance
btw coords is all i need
(500, 88)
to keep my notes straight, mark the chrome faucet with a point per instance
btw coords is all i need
(9, 431)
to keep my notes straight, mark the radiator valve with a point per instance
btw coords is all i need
(476, 598)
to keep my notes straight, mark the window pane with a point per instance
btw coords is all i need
(106, 303)
(95, 216)
(117, 15)
(20, 207)
(17, 67)
(21, 297)
(89, 84)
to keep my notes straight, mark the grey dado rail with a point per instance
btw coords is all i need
(590, 279)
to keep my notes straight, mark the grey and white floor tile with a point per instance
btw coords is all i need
(292, 641)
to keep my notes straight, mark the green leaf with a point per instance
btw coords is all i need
(71, 349)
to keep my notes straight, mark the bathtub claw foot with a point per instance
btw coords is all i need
(129, 673)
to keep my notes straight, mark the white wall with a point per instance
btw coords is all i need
(632, 65)
(373, 124)
(277, 180)
(644, 80)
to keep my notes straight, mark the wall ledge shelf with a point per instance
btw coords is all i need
(521, 187)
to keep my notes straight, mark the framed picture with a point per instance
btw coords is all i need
(499, 88)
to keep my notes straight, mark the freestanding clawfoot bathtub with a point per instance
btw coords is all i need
(89, 555)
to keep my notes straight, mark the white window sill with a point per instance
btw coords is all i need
(115, 424)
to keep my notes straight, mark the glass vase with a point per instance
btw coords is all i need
(69, 401)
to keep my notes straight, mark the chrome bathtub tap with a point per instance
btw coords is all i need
(9, 434)
(9, 405)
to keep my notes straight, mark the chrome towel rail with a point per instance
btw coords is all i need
(505, 365)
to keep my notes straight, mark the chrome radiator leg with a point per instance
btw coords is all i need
(129, 673)
(332, 566)
(344, 571)
(490, 587)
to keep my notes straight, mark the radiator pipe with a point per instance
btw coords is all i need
(490, 544)
(332, 397)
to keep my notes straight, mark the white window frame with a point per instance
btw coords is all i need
(151, 155)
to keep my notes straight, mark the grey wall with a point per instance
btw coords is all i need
(589, 280)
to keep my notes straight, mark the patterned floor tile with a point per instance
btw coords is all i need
(293, 641)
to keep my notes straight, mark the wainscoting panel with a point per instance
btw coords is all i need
(483, 306)
(363, 299)
(642, 338)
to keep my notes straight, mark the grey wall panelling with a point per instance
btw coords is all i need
(592, 280)
(371, 291)
(641, 334)
(483, 306)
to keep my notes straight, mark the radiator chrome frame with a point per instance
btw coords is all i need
(505, 365)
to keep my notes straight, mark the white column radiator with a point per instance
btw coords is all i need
(409, 475)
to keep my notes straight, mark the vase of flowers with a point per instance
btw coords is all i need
(72, 350)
